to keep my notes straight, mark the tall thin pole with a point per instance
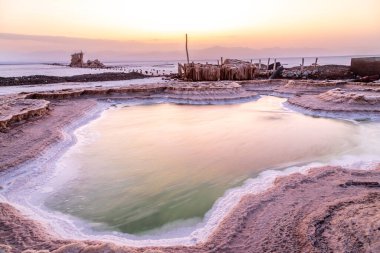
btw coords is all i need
(187, 51)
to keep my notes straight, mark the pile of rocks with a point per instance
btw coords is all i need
(329, 72)
(95, 64)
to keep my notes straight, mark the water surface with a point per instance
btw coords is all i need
(147, 166)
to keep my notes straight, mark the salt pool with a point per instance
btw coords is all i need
(138, 168)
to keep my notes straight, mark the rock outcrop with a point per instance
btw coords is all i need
(77, 62)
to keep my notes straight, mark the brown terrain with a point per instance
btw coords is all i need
(329, 209)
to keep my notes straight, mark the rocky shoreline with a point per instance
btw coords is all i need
(39, 79)
(329, 209)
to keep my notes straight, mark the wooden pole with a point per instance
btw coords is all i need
(316, 62)
(302, 64)
(259, 66)
(268, 64)
(274, 65)
(187, 51)
(221, 60)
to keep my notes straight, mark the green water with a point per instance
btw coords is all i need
(151, 165)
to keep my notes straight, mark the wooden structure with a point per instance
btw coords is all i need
(228, 70)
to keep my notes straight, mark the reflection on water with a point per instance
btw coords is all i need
(154, 164)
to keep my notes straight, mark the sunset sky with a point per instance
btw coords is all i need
(136, 27)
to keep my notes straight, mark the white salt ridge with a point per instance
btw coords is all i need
(35, 175)
(7, 90)
(350, 116)
(46, 70)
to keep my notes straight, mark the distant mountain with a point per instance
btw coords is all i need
(33, 48)
(249, 53)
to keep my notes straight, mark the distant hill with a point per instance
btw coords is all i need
(32, 48)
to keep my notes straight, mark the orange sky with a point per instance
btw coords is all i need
(330, 24)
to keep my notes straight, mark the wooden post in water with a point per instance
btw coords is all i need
(187, 51)
(259, 66)
(274, 65)
(268, 64)
(221, 61)
(302, 64)
(316, 62)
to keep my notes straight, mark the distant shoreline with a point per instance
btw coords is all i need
(41, 79)
(255, 58)
(320, 72)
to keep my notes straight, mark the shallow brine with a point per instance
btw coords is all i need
(140, 168)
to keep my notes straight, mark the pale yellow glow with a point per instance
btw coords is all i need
(257, 23)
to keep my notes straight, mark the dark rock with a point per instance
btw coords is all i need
(360, 183)
(270, 66)
(39, 79)
(367, 66)
(368, 79)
